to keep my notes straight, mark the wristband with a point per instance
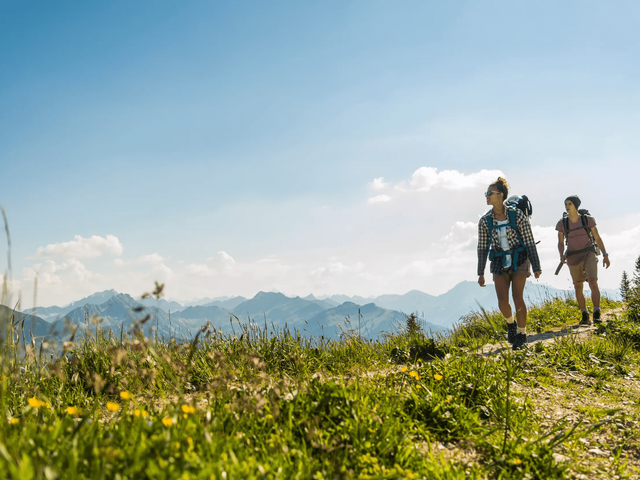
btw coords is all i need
(605, 254)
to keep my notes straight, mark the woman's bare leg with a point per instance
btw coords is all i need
(502, 290)
(517, 291)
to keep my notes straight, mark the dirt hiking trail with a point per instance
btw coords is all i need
(578, 331)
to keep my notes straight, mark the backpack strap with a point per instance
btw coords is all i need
(489, 219)
(585, 224)
(514, 252)
(584, 220)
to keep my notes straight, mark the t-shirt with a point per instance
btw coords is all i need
(577, 239)
(504, 242)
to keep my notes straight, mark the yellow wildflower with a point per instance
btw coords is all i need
(167, 421)
(404, 369)
(126, 395)
(14, 421)
(74, 411)
(517, 461)
(188, 409)
(418, 386)
(35, 403)
(438, 377)
(113, 407)
(140, 413)
(414, 374)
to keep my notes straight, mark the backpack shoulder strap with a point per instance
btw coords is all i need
(489, 219)
(585, 220)
(585, 224)
(512, 223)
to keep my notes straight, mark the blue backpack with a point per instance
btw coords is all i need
(522, 203)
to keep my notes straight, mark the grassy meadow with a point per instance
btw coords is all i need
(272, 404)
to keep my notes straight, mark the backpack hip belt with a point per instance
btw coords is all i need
(590, 248)
(514, 252)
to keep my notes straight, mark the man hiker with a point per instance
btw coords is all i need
(578, 231)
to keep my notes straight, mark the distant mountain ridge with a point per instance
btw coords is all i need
(328, 316)
(121, 312)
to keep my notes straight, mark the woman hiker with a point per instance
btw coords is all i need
(509, 243)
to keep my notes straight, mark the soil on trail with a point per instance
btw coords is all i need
(580, 332)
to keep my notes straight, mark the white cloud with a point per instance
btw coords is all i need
(93, 246)
(162, 273)
(426, 179)
(199, 270)
(152, 259)
(461, 234)
(379, 184)
(52, 272)
(225, 258)
(379, 199)
(336, 268)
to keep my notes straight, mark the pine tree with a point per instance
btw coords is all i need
(633, 295)
(625, 287)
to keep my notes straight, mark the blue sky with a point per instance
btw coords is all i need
(230, 147)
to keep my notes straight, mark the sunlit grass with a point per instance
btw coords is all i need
(268, 403)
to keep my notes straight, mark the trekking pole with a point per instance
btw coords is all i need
(559, 267)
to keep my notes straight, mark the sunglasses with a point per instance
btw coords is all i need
(488, 193)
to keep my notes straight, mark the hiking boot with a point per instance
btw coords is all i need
(512, 330)
(585, 319)
(520, 341)
(596, 317)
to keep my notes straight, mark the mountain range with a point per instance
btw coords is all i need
(325, 316)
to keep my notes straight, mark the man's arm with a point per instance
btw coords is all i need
(563, 258)
(596, 236)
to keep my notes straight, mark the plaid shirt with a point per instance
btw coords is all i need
(523, 226)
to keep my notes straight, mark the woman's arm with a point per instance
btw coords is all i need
(483, 245)
(526, 234)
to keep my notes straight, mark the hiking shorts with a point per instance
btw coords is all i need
(509, 272)
(586, 269)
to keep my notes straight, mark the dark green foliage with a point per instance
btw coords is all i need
(421, 348)
(633, 295)
(625, 287)
(413, 325)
